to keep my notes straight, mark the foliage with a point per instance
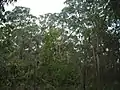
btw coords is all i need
(76, 49)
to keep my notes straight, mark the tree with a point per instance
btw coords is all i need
(91, 19)
(77, 49)
(33, 56)
(3, 2)
(17, 42)
(115, 6)
(2, 9)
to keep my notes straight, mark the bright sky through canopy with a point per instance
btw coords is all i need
(39, 7)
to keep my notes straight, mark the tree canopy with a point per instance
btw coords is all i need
(76, 49)
(3, 2)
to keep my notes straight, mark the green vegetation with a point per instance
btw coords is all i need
(76, 49)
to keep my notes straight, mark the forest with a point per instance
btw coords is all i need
(76, 49)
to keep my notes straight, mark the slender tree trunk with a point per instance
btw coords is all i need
(98, 66)
(96, 58)
(84, 78)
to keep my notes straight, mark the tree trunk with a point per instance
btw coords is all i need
(84, 78)
(98, 66)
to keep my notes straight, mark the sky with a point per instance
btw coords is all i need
(39, 7)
